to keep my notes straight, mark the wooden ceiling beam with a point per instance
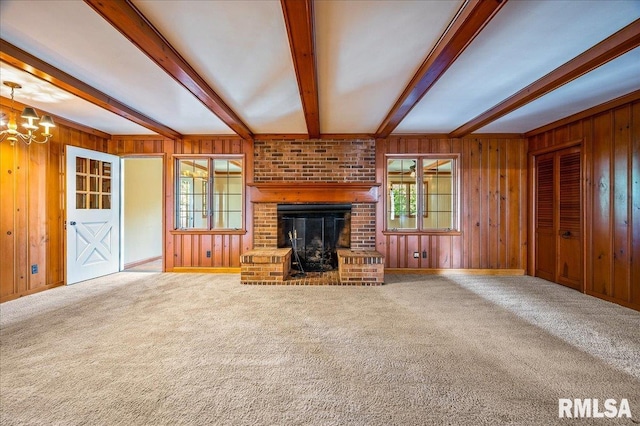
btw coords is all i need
(132, 24)
(469, 21)
(20, 59)
(610, 48)
(298, 16)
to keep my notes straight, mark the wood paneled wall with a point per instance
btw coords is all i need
(32, 207)
(187, 249)
(32, 211)
(611, 202)
(492, 207)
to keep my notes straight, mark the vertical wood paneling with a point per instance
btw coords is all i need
(37, 210)
(32, 211)
(611, 199)
(490, 202)
(503, 217)
(493, 204)
(32, 188)
(55, 215)
(621, 195)
(476, 250)
(466, 223)
(512, 199)
(601, 232)
(22, 217)
(8, 232)
(634, 190)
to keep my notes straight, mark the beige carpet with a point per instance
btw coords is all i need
(201, 349)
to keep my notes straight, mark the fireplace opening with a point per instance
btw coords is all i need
(314, 232)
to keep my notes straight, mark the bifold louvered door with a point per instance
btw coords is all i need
(558, 215)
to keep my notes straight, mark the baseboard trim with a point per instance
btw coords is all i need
(437, 271)
(201, 270)
(29, 292)
(141, 262)
(626, 304)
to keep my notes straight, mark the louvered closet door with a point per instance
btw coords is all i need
(569, 219)
(558, 215)
(545, 217)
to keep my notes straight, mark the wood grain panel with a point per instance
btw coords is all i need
(634, 190)
(475, 211)
(493, 204)
(611, 174)
(32, 211)
(8, 231)
(491, 189)
(23, 231)
(620, 204)
(601, 186)
(37, 215)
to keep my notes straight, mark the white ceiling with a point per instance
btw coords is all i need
(366, 53)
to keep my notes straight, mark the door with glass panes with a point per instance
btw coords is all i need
(93, 214)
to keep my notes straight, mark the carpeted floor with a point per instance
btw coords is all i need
(201, 349)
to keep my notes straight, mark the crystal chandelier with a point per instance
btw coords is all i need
(11, 132)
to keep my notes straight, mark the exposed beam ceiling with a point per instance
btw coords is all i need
(470, 20)
(133, 25)
(298, 16)
(300, 68)
(618, 44)
(29, 63)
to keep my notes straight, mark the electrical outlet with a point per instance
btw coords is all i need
(416, 255)
(208, 253)
(34, 269)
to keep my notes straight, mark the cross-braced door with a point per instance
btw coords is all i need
(93, 214)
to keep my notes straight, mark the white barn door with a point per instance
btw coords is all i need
(93, 214)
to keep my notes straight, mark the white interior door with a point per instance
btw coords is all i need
(93, 214)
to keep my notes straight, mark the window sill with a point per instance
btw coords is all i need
(416, 232)
(208, 231)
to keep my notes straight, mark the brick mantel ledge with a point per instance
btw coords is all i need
(314, 192)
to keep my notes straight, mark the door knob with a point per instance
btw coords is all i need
(566, 234)
(72, 223)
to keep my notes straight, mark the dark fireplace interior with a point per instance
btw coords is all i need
(314, 232)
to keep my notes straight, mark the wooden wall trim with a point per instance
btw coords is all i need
(564, 145)
(201, 270)
(440, 271)
(298, 192)
(622, 100)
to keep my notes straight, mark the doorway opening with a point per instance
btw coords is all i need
(142, 207)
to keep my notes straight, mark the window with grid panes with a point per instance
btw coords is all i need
(422, 193)
(209, 193)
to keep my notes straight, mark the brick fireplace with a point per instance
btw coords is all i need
(308, 173)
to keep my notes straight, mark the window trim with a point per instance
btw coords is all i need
(418, 230)
(209, 229)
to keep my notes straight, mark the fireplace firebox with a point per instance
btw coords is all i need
(314, 232)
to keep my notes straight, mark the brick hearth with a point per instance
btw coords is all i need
(314, 172)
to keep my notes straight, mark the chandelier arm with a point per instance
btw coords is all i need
(12, 133)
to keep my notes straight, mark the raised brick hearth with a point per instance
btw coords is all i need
(314, 172)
